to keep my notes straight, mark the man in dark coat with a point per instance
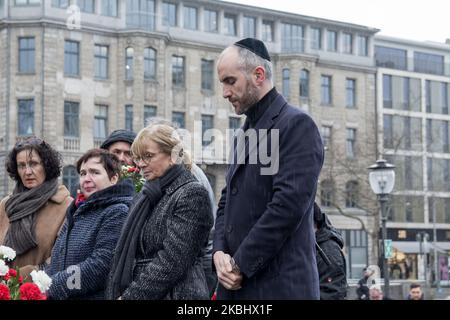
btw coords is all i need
(264, 244)
(330, 258)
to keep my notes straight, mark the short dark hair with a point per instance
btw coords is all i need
(109, 161)
(414, 285)
(51, 159)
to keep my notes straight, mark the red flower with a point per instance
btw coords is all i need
(6, 277)
(131, 169)
(12, 273)
(30, 291)
(20, 279)
(4, 292)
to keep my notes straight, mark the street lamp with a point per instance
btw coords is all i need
(382, 180)
(423, 237)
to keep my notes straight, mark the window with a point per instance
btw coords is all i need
(234, 123)
(444, 97)
(387, 91)
(286, 86)
(207, 123)
(292, 38)
(249, 27)
(350, 93)
(169, 14)
(267, 31)
(436, 97)
(229, 26)
(178, 119)
(87, 5)
(25, 121)
(355, 247)
(326, 136)
(26, 2)
(210, 20)
(347, 43)
(129, 56)
(109, 8)
(428, 63)
(26, 55)
(101, 61)
(351, 142)
(129, 117)
(351, 194)
(304, 84)
(149, 64)
(362, 46)
(207, 74)
(390, 58)
(149, 112)
(100, 122)
(71, 119)
(316, 38)
(325, 91)
(326, 193)
(59, 3)
(190, 18)
(71, 58)
(388, 131)
(141, 14)
(71, 180)
(332, 41)
(178, 71)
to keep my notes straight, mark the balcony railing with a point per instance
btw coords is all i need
(71, 144)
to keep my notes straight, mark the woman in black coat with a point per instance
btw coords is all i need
(159, 252)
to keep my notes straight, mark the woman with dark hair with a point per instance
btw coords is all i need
(32, 215)
(82, 253)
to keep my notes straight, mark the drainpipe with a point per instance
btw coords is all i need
(42, 71)
(8, 89)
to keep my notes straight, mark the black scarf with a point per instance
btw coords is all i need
(121, 273)
(21, 209)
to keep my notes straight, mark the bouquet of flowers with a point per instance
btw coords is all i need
(12, 286)
(133, 173)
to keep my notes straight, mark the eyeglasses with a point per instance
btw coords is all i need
(146, 157)
(32, 165)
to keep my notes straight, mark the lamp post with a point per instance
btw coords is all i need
(423, 237)
(382, 180)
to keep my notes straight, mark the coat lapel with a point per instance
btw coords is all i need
(266, 122)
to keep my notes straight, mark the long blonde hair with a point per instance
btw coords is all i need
(168, 140)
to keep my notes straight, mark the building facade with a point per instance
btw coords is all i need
(413, 80)
(73, 71)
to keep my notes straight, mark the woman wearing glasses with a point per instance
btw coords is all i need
(159, 253)
(32, 215)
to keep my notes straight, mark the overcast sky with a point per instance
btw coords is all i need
(423, 20)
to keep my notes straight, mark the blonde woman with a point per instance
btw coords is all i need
(159, 253)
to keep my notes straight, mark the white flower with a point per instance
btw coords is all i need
(41, 279)
(7, 253)
(3, 268)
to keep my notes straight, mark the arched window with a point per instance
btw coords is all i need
(304, 84)
(129, 53)
(326, 193)
(149, 64)
(71, 180)
(351, 194)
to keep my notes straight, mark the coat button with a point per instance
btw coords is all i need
(229, 229)
(234, 191)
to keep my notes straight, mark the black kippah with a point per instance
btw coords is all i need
(254, 45)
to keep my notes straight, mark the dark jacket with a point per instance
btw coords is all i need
(169, 257)
(266, 221)
(362, 290)
(330, 261)
(83, 251)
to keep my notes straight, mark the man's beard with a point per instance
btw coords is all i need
(249, 99)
